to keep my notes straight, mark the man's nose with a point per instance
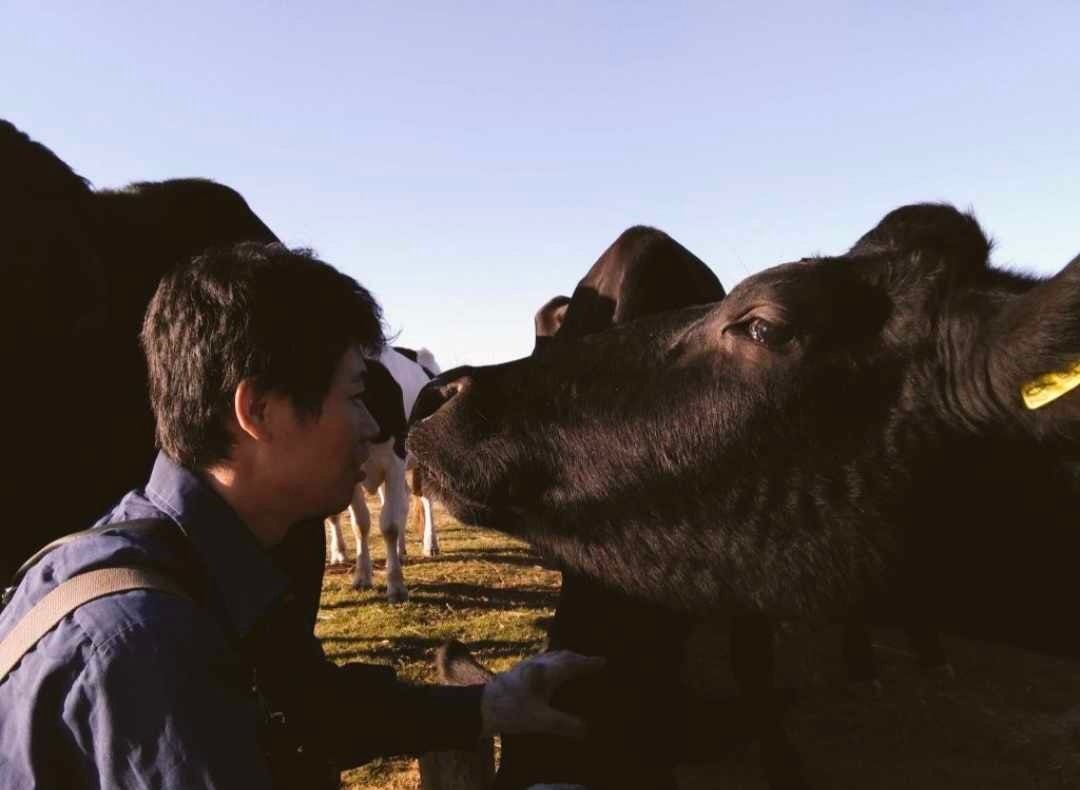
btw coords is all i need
(440, 391)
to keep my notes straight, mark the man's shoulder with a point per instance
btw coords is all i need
(133, 637)
(115, 547)
(146, 622)
(122, 636)
(110, 545)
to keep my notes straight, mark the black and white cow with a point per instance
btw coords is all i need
(393, 383)
(875, 435)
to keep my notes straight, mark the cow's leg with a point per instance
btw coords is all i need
(431, 539)
(402, 549)
(752, 664)
(337, 542)
(392, 525)
(361, 519)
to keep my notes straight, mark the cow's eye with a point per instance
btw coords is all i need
(768, 333)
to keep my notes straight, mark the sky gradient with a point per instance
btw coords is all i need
(467, 162)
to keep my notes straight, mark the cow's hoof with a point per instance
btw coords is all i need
(431, 551)
(359, 583)
(394, 595)
(338, 559)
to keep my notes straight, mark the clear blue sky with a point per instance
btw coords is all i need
(467, 161)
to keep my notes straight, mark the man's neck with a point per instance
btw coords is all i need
(249, 501)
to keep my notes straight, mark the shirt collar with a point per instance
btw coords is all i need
(242, 571)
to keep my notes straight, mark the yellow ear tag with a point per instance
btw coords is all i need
(1050, 387)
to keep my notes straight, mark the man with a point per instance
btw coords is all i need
(256, 370)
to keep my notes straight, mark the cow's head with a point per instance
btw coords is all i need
(762, 450)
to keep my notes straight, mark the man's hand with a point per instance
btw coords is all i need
(517, 701)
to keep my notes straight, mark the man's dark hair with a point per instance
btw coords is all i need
(261, 311)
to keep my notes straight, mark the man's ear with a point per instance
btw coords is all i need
(252, 410)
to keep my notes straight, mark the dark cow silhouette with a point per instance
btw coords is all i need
(838, 437)
(79, 267)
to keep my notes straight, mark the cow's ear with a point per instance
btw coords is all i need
(549, 319)
(382, 396)
(642, 273)
(1034, 357)
(931, 236)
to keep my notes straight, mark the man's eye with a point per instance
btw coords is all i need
(767, 333)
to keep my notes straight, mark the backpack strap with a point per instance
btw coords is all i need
(185, 580)
(65, 598)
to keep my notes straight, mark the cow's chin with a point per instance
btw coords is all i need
(466, 510)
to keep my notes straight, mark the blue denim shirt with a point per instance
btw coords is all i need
(142, 688)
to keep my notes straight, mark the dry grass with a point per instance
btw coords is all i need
(1009, 719)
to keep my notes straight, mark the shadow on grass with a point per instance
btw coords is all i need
(500, 556)
(420, 649)
(458, 594)
(369, 599)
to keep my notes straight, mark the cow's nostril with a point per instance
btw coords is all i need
(435, 395)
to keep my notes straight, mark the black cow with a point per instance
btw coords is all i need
(642, 273)
(79, 267)
(840, 436)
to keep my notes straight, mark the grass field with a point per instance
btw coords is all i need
(1009, 719)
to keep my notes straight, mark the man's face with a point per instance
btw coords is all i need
(320, 460)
